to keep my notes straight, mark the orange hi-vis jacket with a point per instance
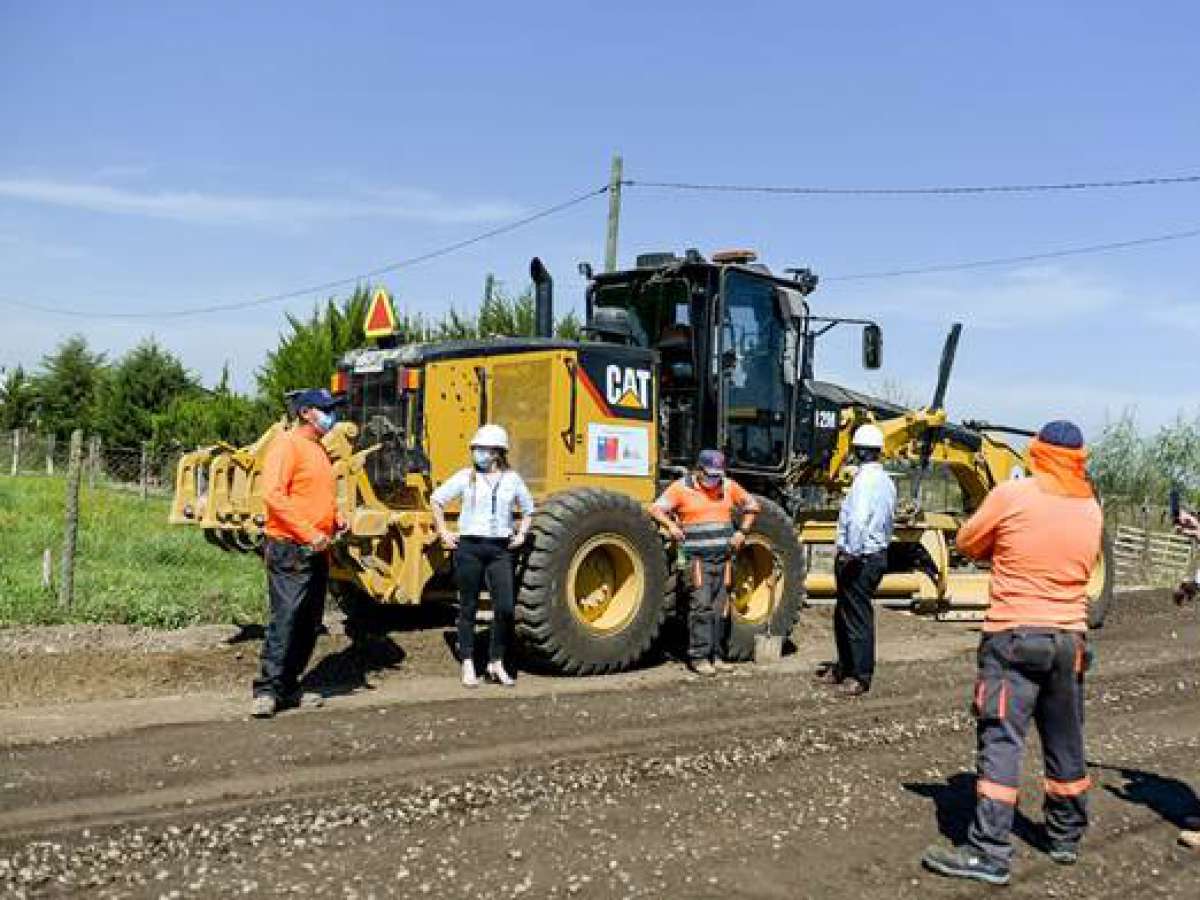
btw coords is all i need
(1043, 546)
(706, 517)
(299, 489)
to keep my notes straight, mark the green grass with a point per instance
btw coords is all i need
(131, 567)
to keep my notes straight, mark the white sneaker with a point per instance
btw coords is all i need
(496, 672)
(469, 678)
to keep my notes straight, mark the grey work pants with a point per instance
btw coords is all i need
(1029, 675)
(708, 599)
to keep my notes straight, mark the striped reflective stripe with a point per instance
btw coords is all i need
(993, 791)
(700, 537)
(1068, 788)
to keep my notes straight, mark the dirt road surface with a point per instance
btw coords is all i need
(649, 784)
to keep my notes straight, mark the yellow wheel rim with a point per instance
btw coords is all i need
(1095, 585)
(606, 583)
(757, 581)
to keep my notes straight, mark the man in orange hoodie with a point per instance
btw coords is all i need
(1042, 535)
(300, 496)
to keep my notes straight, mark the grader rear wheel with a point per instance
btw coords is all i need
(1102, 585)
(590, 598)
(768, 581)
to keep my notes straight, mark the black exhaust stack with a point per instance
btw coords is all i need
(543, 299)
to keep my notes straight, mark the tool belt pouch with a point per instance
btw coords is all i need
(1034, 653)
(991, 699)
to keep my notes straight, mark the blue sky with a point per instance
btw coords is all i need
(155, 156)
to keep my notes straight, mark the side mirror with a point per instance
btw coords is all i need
(872, 347)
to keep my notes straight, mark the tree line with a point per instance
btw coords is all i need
(149, 396)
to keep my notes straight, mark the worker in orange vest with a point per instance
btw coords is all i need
(709, 515)
(1042, 535)
(300, 495)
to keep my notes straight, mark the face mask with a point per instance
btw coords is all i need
(482, 458)
(710, 481)
(323, 421)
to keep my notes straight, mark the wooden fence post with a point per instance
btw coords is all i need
(50, 454)
(1146, 573)
(93, 459)
(16, 461)
(145, 470)
(47, 569)
(66, 587)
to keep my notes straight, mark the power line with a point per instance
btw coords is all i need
(816, 190)
(326, 285)
(1011, 260)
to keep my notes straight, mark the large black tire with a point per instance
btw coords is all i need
(591, 589)
(1100, 594)
(768, 577)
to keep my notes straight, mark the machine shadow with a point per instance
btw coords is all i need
(1170, 798)
(954, 802)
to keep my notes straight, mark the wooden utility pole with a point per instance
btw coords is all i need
(66, 585)
(614, 213)
(50, 454)
(489, 287)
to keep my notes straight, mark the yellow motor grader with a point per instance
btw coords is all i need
(677, 354)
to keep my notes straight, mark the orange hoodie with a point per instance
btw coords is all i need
(1043, 539)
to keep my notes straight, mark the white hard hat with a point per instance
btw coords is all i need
(490, 436)
(868, 437)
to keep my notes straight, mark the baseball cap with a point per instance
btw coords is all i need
(712, 462)
(314, 398)
(1061, 433)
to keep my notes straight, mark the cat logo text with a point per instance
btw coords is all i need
(627, 388)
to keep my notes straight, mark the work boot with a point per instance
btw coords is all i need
(851, 687)
(965, 862)
(721, 666)
(297, 698)
(264, 706)
(1064, 854)
(828, 674)
(703, 667)
(469, 678)
(497, 674)
(1190, 839)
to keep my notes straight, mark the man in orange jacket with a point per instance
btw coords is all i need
(1042, 535)
(301, 501)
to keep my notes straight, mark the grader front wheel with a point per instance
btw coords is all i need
(590, 598)
(768, 581)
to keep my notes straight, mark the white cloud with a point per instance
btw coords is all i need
(1015, 298)
(250, 209)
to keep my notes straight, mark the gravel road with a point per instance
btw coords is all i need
(653, 784)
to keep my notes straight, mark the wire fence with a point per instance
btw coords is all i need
(87, 539)
(143, 469)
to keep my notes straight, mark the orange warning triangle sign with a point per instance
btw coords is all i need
(381, 316)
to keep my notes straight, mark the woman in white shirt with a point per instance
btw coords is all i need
(491, 494)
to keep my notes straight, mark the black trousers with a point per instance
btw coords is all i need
(708, 599)
(1029, 675)
(476, 561)
(296, 584)
(857, 579)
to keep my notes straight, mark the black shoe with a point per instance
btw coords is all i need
(1064, 854)
(964, 862)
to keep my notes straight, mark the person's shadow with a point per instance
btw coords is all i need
(954, 800)
(347, 670)
(1171, 798)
